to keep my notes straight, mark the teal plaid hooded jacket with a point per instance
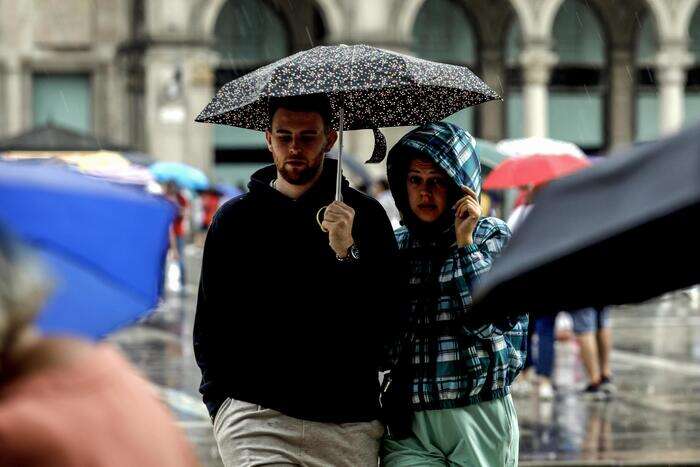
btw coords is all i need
(448, 361)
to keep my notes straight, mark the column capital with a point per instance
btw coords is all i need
(671, 63)
(672, 60)
(671, 66)
(537, 62)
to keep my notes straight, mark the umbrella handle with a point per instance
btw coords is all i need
(319, 215)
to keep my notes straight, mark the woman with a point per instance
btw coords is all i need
(454, 375)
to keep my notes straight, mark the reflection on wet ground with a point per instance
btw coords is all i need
(655, 417)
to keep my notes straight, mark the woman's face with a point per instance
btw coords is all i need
(427, 186)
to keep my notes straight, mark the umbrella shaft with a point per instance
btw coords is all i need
(339, 173)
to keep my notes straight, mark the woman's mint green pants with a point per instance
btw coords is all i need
(481, 435)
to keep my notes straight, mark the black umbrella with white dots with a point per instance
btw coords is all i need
(367, 88)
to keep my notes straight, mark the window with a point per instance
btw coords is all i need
(442, 32)
(578, 84)
(647, 108)
(692, 93)
(249, 34)
(62, 99)
(514, 96)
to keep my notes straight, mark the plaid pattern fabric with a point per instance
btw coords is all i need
(446, 361)
(451, 363)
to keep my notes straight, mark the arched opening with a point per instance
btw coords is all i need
(578, 85)
(692, 91)
(444, 32)
(250, 34)
(647, 99)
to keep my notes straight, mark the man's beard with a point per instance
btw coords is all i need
(300, 175)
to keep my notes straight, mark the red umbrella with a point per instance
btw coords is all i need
(534, 161)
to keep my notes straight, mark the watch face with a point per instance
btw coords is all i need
(354, 252)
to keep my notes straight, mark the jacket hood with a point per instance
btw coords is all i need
(452, 148)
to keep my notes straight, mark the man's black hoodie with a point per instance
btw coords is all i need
(280, 322)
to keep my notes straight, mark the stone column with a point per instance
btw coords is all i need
(13, 92)
(178, 85)
(164, 105)
(621, 97)
(198, 81)
(671, 63)
(537, 62)
(492, 113)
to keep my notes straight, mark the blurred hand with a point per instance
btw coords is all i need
(467, 214)
(338, 220)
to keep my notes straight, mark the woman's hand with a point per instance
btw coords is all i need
(467, 214)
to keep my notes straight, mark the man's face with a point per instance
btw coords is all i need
(427, 187)
(298, 142)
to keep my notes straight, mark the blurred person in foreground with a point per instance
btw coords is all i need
(451, 375)
(66, 402)
(291, 319)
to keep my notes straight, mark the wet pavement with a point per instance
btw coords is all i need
(655, 417)
(653, 420)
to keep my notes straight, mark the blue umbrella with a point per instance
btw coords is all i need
(104, 244)
(184, 175)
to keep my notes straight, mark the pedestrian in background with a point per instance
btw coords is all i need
(592, 329)
(452, 376)
(541, 358)
(292, 314)
(65, 402)
(178, 230)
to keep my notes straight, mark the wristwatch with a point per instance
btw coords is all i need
(353, 255)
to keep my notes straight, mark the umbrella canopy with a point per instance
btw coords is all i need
(372, 87)
(56, 138)
(184, 175)
(533, 161)
(104, 244)
(622, 231)
(138, 158)
(109, 165)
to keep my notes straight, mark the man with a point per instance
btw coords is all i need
(453, 374)
(291, 318)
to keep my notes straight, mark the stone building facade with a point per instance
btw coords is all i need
(601, 73)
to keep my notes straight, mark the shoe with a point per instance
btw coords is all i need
(545, 391)
(607, 386)
(594, 392)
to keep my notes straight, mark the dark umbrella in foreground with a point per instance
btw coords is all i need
(368, 88)
(622, 231)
